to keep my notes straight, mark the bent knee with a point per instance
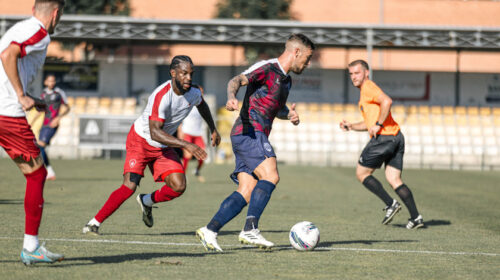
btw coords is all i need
(178, 184)
(275, 178)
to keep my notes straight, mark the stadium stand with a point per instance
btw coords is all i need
(442, 137)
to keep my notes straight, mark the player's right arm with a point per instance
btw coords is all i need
(9, 61)
(346, 126)
(232, 89)
(158, 135)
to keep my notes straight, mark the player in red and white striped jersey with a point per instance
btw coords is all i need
(22, 52)
(150, 143)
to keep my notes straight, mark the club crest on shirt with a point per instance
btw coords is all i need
(132, 162)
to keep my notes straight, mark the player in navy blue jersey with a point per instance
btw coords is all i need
(57, 107)
(256, 172)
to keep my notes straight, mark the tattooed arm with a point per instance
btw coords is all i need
(232, 89)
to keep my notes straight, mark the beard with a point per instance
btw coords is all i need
(180, 86)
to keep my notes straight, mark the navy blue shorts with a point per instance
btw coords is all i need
(250, 150)
(46, 133)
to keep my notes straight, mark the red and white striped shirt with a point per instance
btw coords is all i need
(33, 39)
(166, 106)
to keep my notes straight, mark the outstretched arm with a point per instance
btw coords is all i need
(232, 89)
(346, 126)
(207, 116)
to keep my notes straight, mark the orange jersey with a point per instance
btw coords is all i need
(370, 109)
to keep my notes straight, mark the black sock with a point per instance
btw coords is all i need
(375, 187)
(407, 197)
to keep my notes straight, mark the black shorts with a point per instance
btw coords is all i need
(386, 149)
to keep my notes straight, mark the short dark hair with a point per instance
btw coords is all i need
(178, 59)
(363, 63)
(303, 39)
(61, 3)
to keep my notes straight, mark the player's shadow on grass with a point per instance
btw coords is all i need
(190, 233)
(89, 179)
(126, 258)
(11, 201)
(429, 223)
(365, 242)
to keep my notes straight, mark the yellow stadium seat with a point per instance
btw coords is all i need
(496, 111)
(448, 110)
(460, 110)
(81, 101)
(350, 108)
(423, 109)
(436, 110)
(485, 111)
(399, 109)
(71, 101)
(472, 111)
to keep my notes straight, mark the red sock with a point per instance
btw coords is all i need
(33, 200)
(200, 163)
(185, 162)
(165, 194)
(114, 202)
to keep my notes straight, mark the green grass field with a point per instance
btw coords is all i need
(461, 241)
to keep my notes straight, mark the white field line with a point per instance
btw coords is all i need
(110, 241)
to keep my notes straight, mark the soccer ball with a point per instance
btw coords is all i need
(304, 236)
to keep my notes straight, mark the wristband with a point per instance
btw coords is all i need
(379, 124)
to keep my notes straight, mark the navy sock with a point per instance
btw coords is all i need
(229, 209)
(44, 156)
(260, 197)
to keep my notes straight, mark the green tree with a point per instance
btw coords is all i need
(256, 9)
(97, 7)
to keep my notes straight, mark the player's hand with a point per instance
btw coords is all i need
(27, 102)
(373, 130)
(55, 122)
(345, 125)
(232, 104)
(293, 116)
(215, 138)
(196, 151)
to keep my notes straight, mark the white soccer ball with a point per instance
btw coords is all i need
(304, 236)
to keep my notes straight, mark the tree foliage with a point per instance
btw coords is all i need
(97, 7)
(256, 9)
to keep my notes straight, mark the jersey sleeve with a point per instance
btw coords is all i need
(31, 39)
(63, 96)
(257, 73)
(373, 91)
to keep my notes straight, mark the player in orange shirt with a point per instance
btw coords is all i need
(386, 146)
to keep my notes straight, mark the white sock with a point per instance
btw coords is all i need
(94, 222)
(30, 242)
(146, 199)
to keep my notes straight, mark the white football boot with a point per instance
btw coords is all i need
(253, 237)
(209, 239)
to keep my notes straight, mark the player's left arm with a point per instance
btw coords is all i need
(207, 116)
(289, 114)
(385, 103)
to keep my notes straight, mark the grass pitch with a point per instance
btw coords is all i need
(460, 208)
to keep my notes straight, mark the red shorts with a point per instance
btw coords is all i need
(161, 161)
(17, 138)
(197, 140)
